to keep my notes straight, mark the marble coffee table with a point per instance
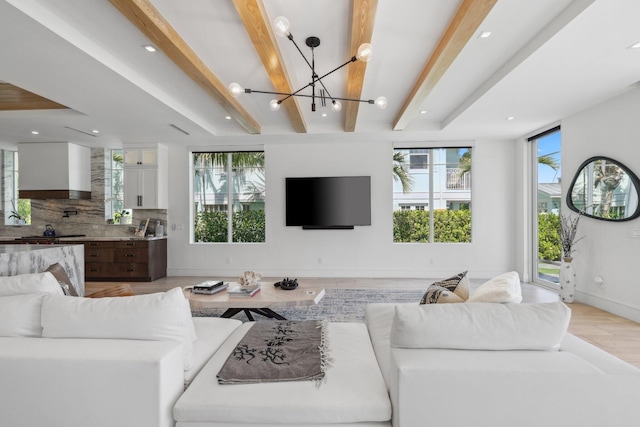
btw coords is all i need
(262, 303)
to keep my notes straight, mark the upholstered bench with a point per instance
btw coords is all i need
(353, 391)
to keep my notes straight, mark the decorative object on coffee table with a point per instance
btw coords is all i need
(250, 279)
(568, 231)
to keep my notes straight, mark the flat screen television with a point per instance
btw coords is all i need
(339, 202)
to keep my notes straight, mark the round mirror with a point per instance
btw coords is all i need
(605, 189)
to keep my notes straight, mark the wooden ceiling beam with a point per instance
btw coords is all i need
(13, 98)
(362, 20)
(256, 22)
(462, 27)
(149, 20)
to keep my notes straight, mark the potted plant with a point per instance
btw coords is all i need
(568, 231)
(15, 215)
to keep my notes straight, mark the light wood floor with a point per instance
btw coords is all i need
(614, 334)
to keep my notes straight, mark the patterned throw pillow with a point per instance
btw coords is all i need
(61, 276)
(451, 290)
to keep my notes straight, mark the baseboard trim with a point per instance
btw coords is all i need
(404, 274)
(606, 304)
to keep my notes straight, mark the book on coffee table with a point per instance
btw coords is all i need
(209, 287)
(244, 291)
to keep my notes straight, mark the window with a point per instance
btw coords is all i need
(114, 188)
(16, 211)
(418, 159)
(229, 197)
(546, 159)
(432, 195)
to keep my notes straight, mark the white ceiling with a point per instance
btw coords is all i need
(545, 60)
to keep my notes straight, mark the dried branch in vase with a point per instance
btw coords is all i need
(568, 231)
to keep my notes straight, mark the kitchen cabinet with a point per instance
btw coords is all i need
(133, 260)
(140, 156)
(146, 178)
(98, 260)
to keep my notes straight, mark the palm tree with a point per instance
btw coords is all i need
(401, 171)
(205, 163)
(549, 160)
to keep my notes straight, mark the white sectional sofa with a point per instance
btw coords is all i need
(122, 362)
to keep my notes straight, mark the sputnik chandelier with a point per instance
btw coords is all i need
(281, 28)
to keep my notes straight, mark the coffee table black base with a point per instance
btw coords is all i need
(266, 312)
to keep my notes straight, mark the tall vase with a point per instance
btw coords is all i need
(567, 280)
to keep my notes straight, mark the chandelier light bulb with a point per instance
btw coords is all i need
(281, 26)
(235, 89)
(381, 102)
(336, 106)
(365, 52)
(274, 105)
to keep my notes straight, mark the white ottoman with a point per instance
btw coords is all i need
(354, 390)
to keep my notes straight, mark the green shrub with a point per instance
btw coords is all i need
(449, 226)
(549, 247)
(248, 226)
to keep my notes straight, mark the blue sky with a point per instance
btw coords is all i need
(549, 144)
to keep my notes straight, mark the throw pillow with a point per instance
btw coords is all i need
(452, 290)
(20, 315)
(501, 289)
(480, 326)
(32, 283)
(159, 317)
(63, 279)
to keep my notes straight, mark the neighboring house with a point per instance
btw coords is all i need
(549, 197)
(451, 185)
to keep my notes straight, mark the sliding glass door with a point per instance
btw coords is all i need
(546, 203)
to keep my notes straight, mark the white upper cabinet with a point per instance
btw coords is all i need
(146, 177)
(141, 156)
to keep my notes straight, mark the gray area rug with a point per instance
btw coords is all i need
(338, 305)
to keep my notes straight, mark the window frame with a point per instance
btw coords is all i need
(432, 172)
(227, 171)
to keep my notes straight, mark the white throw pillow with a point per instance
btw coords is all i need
(158, 317)
(20, 315)
(502, 288)
(481, 326)
(32, 283)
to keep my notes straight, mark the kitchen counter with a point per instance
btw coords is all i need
(107, 239)
(62, 239)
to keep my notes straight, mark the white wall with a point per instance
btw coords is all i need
(362, 252)
(611, 129)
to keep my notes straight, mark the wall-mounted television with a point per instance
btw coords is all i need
(337, 202)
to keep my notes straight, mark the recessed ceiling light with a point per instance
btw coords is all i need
(484, 34)
(511, 118)
(423, 111)
(227, 117)
(324, 114)
(95, 131)
(636, 45)
(149, 48)
(35, 132)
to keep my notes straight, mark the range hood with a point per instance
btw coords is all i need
(54, 170)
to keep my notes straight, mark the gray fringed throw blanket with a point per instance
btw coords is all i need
(274, 351)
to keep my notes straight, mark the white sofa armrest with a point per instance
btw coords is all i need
(89, 382)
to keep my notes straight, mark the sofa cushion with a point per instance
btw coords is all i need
(353, 390)
(20, 315)
(479, 326)
(502, 288)
(63, 279)
(160, 317)
(31, 283)
(451, 290)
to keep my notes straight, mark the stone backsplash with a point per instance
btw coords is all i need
(90, 218)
